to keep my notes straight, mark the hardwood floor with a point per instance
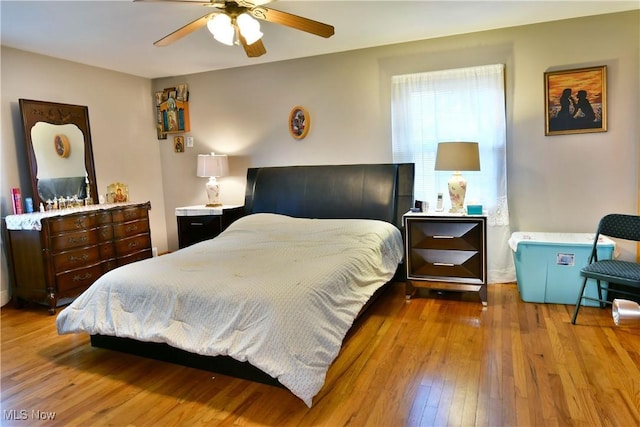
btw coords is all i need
(437, 361)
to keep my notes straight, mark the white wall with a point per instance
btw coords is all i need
(560, 183)
(122, 129)
(556, 183)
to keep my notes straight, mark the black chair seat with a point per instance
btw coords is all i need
(626, 274)
(621, 272)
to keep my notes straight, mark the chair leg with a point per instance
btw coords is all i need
(575, 312)
(600, 294)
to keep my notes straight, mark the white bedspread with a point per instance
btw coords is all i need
(275, 291)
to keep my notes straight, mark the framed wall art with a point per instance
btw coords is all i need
(117, 192)
(172, 110)
(299, 122)
(178, 144)
(576, 101)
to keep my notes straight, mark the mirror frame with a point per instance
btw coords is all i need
(33, 112)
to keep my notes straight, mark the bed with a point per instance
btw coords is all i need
(272, 297)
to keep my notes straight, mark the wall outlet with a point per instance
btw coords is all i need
(189, 140)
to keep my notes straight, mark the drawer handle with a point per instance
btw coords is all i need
(197, 223)
(443, 264)
(444, 237)
(132, 228)
(133, 245)
(74, 258)
(78, 240)
(78, 278)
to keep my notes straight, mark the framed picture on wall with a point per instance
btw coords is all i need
(299, 122)
(178, 144)
(576, 101)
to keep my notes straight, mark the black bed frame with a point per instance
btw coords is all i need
(369, 191)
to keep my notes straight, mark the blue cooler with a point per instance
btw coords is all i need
(548, 265)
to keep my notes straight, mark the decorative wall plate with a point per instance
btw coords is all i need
(299, 122)
(62, 145)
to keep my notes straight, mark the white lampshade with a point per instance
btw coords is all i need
(249, 28)
(222, 29)
(457, 156)
(212, 165)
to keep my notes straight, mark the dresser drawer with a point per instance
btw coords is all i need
(76, 281)
(129, 214)
(132, 244)
(105, 233)
(107, 250)
(72, 222)
(131, 228)
(103, 217)
(72, 240)
(137, 256)
(76, 258)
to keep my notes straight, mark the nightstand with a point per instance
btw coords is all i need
(198, 223)
(446, 252)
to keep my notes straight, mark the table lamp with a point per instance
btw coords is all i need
(457, 157)
(212, 166)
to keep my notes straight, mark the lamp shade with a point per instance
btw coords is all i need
(458, 156)
(212, 165)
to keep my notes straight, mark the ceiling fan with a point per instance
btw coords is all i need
(233, 23)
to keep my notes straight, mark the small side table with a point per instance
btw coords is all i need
(198, 223)
(446, 252)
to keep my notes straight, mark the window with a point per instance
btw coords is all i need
(466, 104)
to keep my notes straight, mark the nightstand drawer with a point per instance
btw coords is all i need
(446, 264)
(206, 224)
(463, 235)
(194, 229)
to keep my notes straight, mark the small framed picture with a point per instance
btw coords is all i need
(576, 101)
(299, 122)
(117, 192)
(178, 144)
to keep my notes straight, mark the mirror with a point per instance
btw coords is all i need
(59, 151)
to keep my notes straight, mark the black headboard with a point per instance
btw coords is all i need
(370, 191)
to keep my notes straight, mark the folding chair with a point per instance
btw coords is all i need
(624, 274)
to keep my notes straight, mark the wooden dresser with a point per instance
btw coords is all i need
(55, 256)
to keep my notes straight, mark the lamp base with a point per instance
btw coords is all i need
(457, 191)
(213, 192)
(213, 205)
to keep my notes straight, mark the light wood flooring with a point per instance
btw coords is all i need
(437, 361)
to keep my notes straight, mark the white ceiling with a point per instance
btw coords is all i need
(119, 34)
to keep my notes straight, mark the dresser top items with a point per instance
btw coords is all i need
(33, 221)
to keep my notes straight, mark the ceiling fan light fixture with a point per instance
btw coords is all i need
(222, 29)
(249, 28)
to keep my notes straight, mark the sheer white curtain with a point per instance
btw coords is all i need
(466, 104)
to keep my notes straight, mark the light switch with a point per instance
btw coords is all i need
(189, 141)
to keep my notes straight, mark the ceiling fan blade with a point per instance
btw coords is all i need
(293, 21)
(253, 50)
(183, 31)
